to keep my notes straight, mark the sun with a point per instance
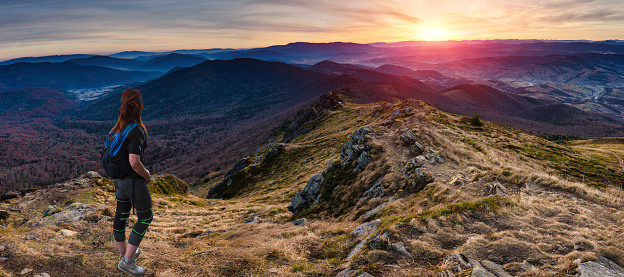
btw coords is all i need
(433, 34)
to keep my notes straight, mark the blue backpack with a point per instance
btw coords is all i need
(115, 157)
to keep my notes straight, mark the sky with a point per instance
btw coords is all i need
(52, 27)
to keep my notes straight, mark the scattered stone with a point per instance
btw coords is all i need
(213, 203)
(307, 160)
(51, 210)
(418, 148)
(2, 248)
(104, 218)
(388, 123)
(364, 274)
(91, 175)
(366, 228)
(67, 233)
(2, 259)
(417, 181)
(380, 242)
(602, 267)
(33, 237)
(346, 272)
(301, 222)
(400, 247)
(26, 270)
(411, 167)
(274, 270)
(256, 219)
(205, 233)
(436, 160)
(458, 181)
(478, 270)
(494, 188)
(447, 273)
(495, 268)
(375, 191)
(363, 161)
(372, 213)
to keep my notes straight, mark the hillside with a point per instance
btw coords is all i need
(389, 189)
(66, 75)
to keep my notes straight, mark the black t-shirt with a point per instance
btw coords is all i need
(135, 143)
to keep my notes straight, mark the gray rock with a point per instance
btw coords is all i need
(364, 274)
(2, 248)
(2, 259)
(366, 228)
(363, 160)
(51, 210)
(436, 160)
(418, 148)
(256, 219)
(372, 213)
(274, 270)
(91, 175)
(494, 188)
(380, 242)
(526, 266)
(447, 273)
(374, 191)
(73, 212)
(346, 272)
(33, 237)
(26, 270)
(67, 233)
(407, 138)
(400, 247)
(478, 270)
(301, 222)
(495, 268)
(355, 146)
(104, 218)
(45, 275)
(309, 193)
(602, 267)
(213, 203)
(388, 123)
(356, 249)
(205, 233)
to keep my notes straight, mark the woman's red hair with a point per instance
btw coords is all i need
(130, 111)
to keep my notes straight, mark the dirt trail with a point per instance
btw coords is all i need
(618, 157)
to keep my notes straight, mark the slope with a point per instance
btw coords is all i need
(552, 208)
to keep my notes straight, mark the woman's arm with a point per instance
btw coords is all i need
(137, 165)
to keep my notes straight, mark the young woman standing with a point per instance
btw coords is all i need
(131, 191)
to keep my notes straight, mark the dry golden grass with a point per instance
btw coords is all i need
(549, 216)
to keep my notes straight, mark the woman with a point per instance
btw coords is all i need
(132, 189)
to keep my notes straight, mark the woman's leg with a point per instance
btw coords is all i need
(122, 213)
(143, 206)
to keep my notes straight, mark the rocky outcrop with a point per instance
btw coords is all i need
(417, 181)
(327, 102)
(227, 179)
(367, 229)
(357, 150)
(71, 213)
(309, 193)
(408, 138)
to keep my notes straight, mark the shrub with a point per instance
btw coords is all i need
(476, 121)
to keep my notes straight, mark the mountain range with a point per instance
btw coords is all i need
(195, 106)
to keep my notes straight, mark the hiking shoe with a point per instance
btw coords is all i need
(136, 254)
(130, 266)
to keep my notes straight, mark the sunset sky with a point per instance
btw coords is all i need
(38, 27)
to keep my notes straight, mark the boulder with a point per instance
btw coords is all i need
(366, 228)
(301, 222)
(602, 267)
(51, 210)
(91, 175)
(67, 233)
(400, 247)
(309, 193)
(71, 213)
(495, 268)
(494, 188)
(374, 191)
(407, 138)
(372, 213)
(347, 272)
(258, 220)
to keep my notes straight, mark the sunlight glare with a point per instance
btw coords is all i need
(433, 34)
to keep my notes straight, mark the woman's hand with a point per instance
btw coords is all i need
(137, 165)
